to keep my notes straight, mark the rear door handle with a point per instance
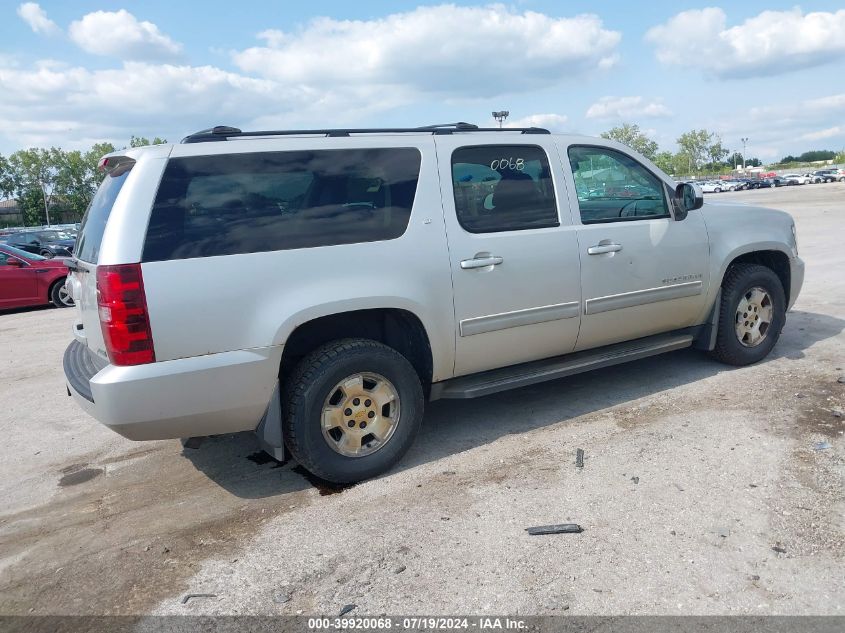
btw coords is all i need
(599, 249)
(481, 262)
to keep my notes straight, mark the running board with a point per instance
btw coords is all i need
(495, 380)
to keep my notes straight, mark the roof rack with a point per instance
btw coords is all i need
(224, 132)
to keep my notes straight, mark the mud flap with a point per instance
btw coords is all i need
(269, 430)
(706, 337)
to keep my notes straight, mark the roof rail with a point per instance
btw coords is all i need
(224, 132)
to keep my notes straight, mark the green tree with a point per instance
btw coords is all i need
(695, 145)
(34, 175)
(7, 183)
(140, 141)
(629, 134)
(665, 161)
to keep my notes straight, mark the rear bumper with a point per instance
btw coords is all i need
(202, 395)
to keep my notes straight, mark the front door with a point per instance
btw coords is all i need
(642, 272)
(512, 248)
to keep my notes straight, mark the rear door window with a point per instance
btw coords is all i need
(503, 188)
(271, 201)
(94, 221)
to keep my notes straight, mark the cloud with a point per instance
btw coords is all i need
(831, 132)
(771, 43)
(473, 52)
(552, 122)
(627, 108)
(119, 34)
(36, 18)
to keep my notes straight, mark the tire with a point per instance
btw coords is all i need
(315, 389)
(47, 254)
(741, 282)
(717, 190)
(59, 296)
(842, 179)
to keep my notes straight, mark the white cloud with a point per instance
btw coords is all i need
(831, 132)
(121, 35)
(36, 18)
(454, 51)
(627, 108)
(553, 122)
(771, 43)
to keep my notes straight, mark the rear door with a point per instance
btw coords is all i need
(512, 249)
(18, 282)
(642, 272)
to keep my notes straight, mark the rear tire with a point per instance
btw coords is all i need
(332, 396)
(47, 254)
(59, 295)
(751, 316)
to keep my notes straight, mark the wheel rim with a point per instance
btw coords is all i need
(360, 414)
(64, 296)
(754, 317)
(47, 254)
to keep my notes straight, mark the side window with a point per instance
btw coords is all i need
(272, 201)
(503, 188)
(3, 258)
(613, 187)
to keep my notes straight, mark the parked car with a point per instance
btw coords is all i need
(798, 179)
(829, 175)
(712, 186)
(47, 243)
(357, 275)
(27, 279)
(812, 178)
(779, 181)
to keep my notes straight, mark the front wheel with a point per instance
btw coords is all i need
(47, 254)
(752, 314)
(352, 409)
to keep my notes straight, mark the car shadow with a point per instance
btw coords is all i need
(236, 463)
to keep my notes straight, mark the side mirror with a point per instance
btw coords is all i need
(689, 198)
(14, 263)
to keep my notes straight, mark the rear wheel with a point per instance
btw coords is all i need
(59, 295)
(352, 409)
(752, 314)
(47, 254)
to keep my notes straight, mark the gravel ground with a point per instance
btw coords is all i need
(701, 491)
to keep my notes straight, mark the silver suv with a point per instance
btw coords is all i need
(319, 286)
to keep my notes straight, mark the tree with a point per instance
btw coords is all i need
(140, 141)
(695, 145)
(629, 134)
(665, 161)
(7, 184)
(35, 171)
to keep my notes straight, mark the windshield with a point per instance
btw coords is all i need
(22, 254)
(53, 236)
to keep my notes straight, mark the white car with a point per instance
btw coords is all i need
(713, 186)
(801, 179)
(318, 287)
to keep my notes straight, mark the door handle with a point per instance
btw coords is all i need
(599, 249)
(481, 262)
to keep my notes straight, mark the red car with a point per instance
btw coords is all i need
(27, 279)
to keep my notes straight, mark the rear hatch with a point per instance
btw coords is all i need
(82, 281)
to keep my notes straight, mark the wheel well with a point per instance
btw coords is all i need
(398, 329)
(58, 281)
(775, 260)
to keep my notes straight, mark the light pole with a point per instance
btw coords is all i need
(500, 116)
(744, 144)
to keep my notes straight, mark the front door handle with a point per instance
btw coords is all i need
(481, 262)
(600, 249)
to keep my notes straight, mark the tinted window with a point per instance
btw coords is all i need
(503, 188)
(94, 222)
(613, 187)
(270, 201)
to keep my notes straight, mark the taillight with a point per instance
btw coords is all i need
(123, 315)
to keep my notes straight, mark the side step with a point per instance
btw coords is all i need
(495, 380)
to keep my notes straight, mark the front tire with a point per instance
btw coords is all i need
(47, 254)
(752, 314)
(352, 409)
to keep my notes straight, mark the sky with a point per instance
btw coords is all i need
(76, 73)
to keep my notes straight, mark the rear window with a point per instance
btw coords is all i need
(94, 221)
(270, 201)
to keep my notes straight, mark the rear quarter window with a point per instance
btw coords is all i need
(270, 201)
(97, 216)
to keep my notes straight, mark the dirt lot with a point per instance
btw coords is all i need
(701, 490)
